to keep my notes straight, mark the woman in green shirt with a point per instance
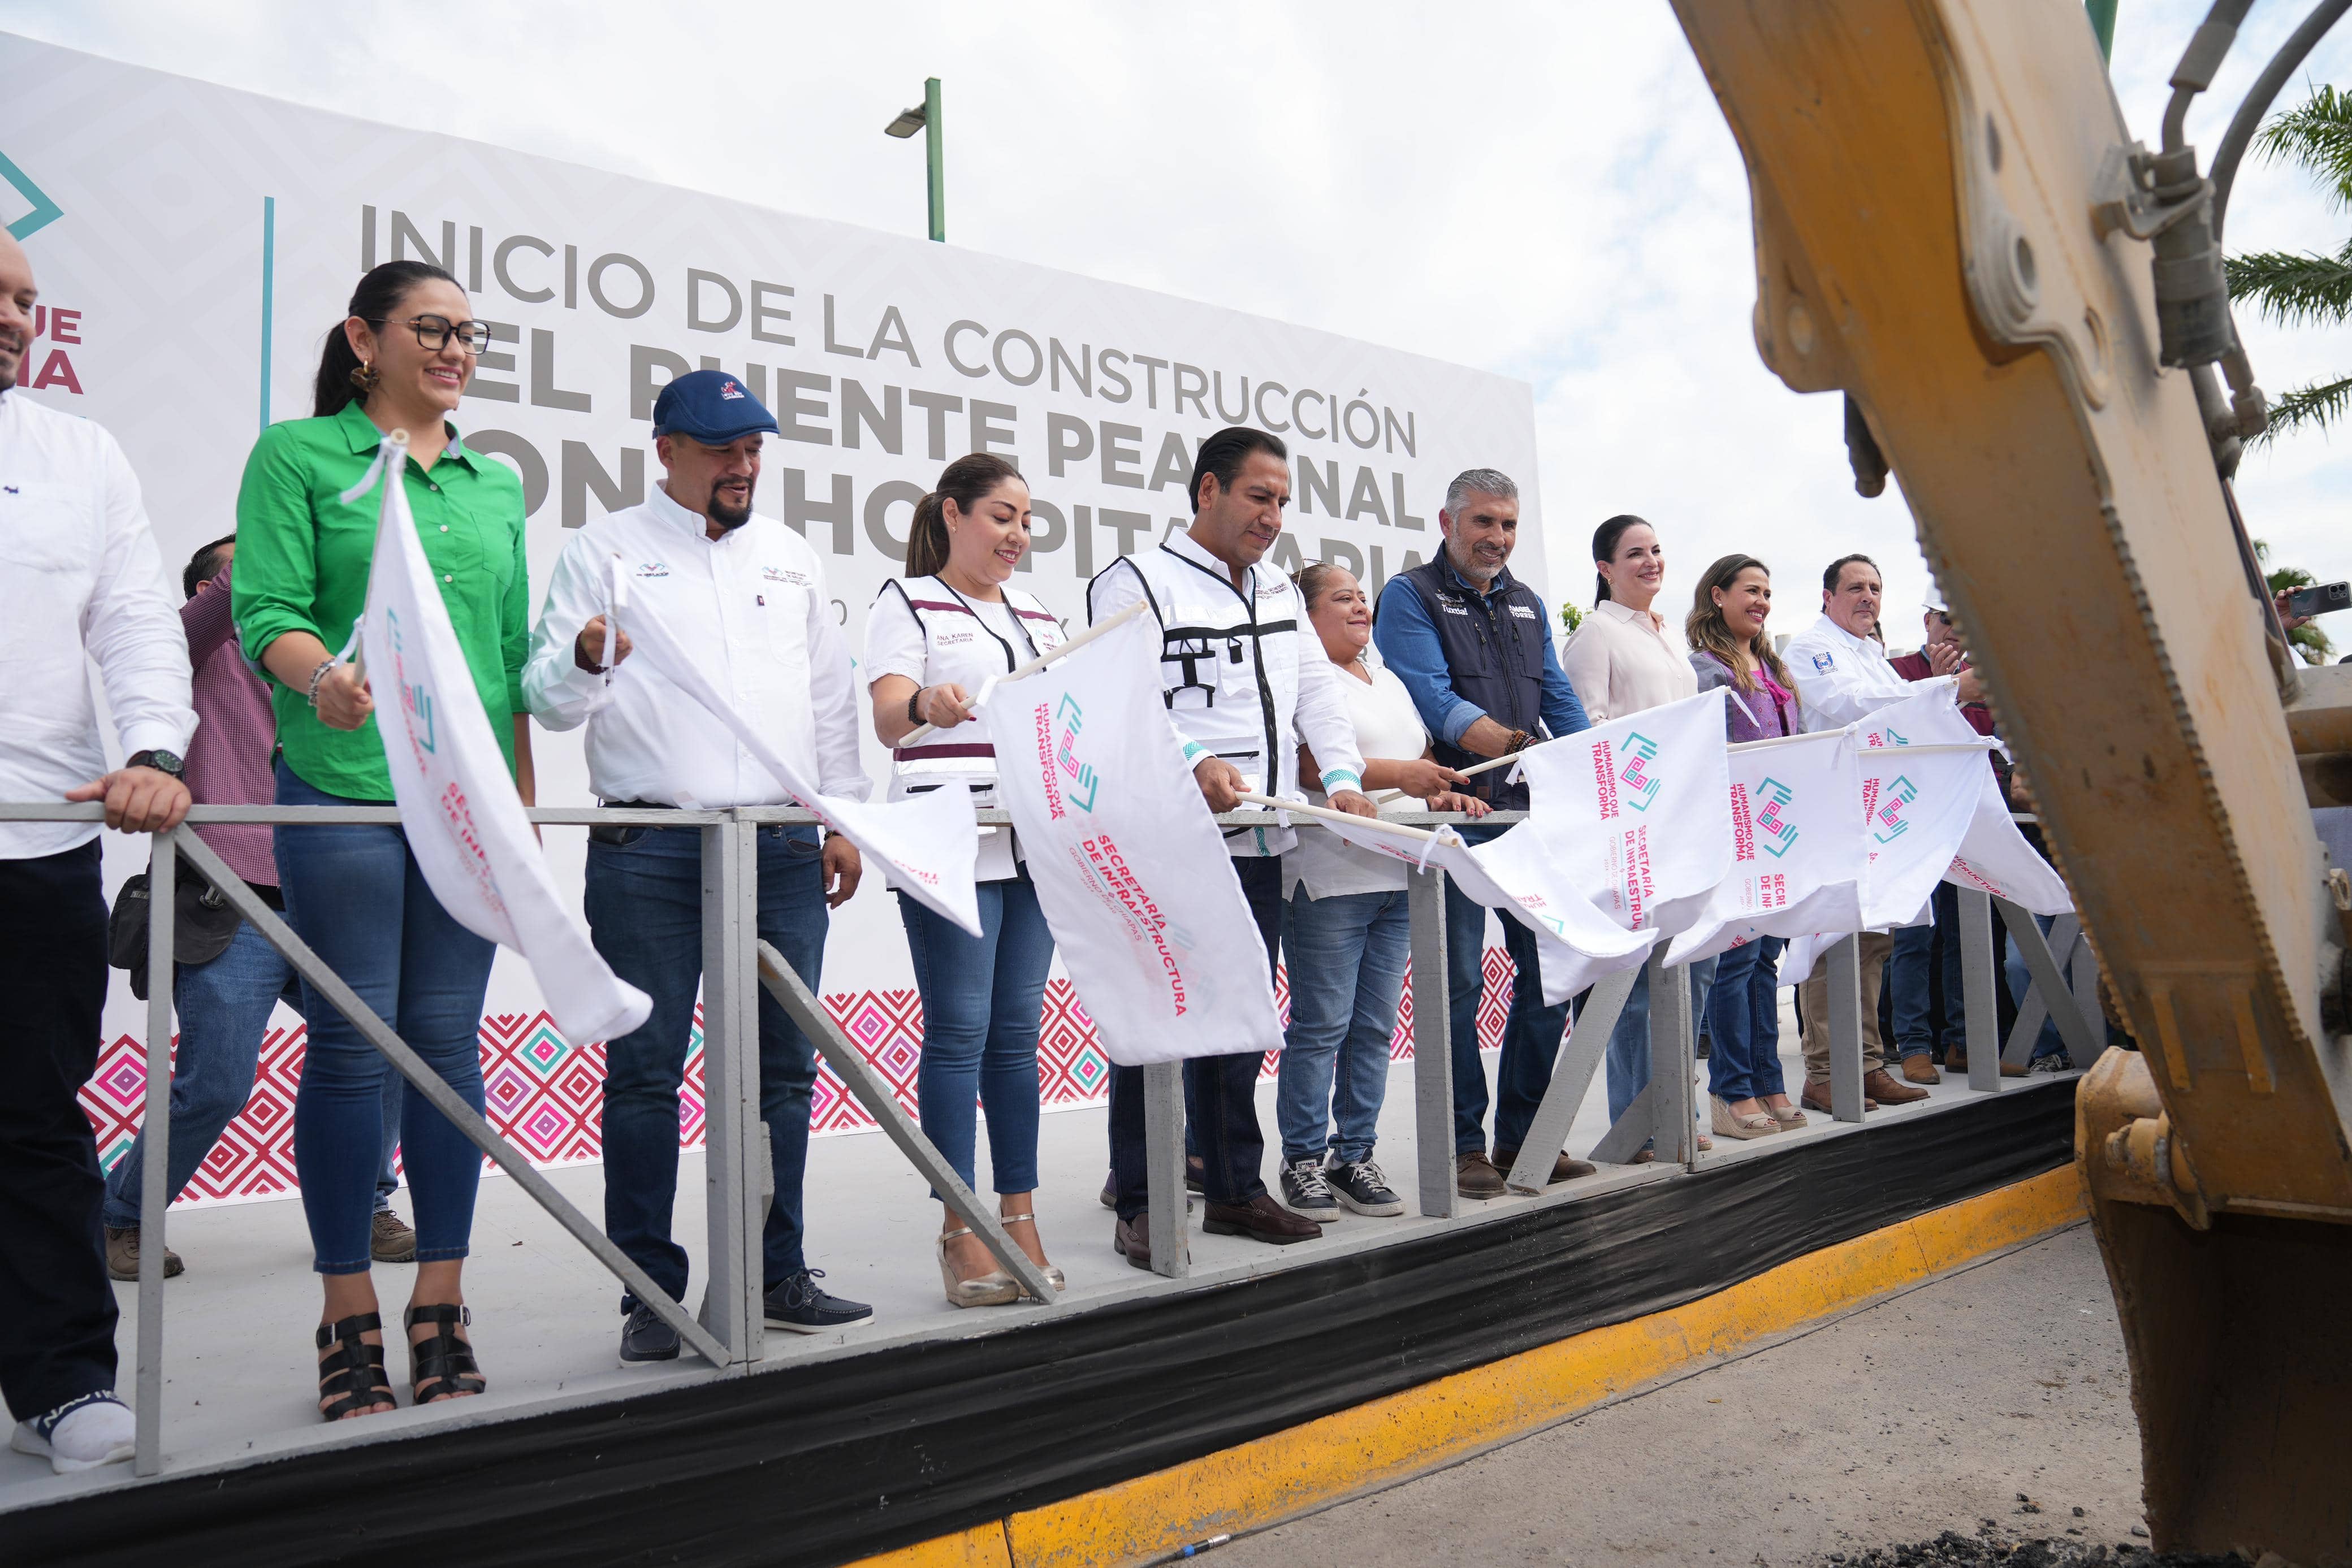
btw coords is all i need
(401, 361)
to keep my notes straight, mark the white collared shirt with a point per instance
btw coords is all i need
(750, 608)
(83, 580)
(1623, 660)
(1841, 677)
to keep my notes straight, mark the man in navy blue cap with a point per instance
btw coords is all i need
(745, 597)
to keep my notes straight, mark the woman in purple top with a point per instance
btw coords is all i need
(1730, 649)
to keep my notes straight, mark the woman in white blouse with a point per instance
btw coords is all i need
(931, 641)
(1622, 659)
(1345, 932)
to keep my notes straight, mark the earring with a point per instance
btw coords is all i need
(364, 378)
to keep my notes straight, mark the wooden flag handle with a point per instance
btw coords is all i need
(920, 733)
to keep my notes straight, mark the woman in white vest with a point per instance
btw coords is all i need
(1346, 931)
(932, 640)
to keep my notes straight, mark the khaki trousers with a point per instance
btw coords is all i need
(1814, 995)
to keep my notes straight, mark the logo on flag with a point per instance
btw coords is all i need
(1082, 780)
(1642, 750)
(1899, 793)
(1889, 735)
(1782, 834)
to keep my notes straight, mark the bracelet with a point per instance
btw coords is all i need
(317, 675)
(912, 716)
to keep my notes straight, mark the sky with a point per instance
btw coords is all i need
(1546, 191)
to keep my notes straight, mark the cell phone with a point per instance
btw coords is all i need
(2319, 600)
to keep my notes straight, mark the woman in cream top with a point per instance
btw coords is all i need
(1621, 659)
(1625, 658)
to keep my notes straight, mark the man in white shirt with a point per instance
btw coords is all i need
(745, 597)
(83, 580)
(1843, 675)
(1247, 684)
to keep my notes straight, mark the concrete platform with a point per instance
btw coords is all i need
(239, 1364)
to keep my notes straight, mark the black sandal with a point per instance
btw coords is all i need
(353, 1379)
(441, 1358)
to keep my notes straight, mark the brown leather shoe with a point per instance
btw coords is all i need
(1816, 1096)
(1474, 1176)
(1881, 1085)
(1562, 1167)
(1260, 1219)
(1957, 1063)
(1920, 1070)
(1132, 1239)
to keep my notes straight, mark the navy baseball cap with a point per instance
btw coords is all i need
(710, 406)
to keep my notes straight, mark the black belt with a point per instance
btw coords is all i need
(638, 806)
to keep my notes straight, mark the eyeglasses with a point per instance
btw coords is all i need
(433, 332)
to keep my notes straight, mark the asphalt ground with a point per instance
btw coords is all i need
(1992, 1404)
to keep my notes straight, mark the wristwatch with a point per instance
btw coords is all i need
(161, 761)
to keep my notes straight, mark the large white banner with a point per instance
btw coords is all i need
(459, 807)
(1130, 868)
(188, 235)
(1638, 811)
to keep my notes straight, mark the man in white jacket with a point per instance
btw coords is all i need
(83, 581)
(1246, 683)
(745, 597)
(1843, 675)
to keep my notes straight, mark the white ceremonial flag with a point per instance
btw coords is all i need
(1796, 848)
(1993, 856)
(1130, 870)
(458, 808)
(1637, 812)
(1578, 943)
(927, 845)
(1917, 801)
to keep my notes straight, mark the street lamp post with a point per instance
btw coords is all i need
(925, 117)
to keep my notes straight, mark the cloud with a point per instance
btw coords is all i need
(1545, 191)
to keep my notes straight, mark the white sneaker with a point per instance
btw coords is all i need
(81, 1433)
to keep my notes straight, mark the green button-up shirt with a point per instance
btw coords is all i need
(302, 560)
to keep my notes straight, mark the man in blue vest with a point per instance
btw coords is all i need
(1473, 644)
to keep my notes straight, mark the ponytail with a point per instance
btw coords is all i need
(967, 481)
(375, 300)
(1604, 547)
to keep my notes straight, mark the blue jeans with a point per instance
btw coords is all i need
(387, 1181)
(1629, 1042)
(1908, 972)
(980, 1001)
(2049, 1042)
(645, 914)
(355, 894)
(1743, 1021)
(1347, 956)
(1531, 1034)
(224, 1007)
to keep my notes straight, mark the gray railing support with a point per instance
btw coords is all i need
(1630, 1130)
(1571, 1078)
(1980, 1009)
(1163, 1155)
(1845, 961)
(1433, 1046)
(865, 1085)
(1672, 1043)
(734, 1136)
(2045, 960)
(330, 987)
(2086, 1002)
(154, 1175)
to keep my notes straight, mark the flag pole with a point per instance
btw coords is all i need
(1301, 809)
(920, 733)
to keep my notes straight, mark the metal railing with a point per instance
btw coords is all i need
(728, 1329)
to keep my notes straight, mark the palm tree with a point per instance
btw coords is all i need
(2310, 288)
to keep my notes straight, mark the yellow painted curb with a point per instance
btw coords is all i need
(1388, 1438)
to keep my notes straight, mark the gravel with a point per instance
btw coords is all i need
(1993, 1547)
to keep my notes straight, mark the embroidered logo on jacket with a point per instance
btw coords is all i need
(654, 568)
(785, 574)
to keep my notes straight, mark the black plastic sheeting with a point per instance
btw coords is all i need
(856, 1454)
